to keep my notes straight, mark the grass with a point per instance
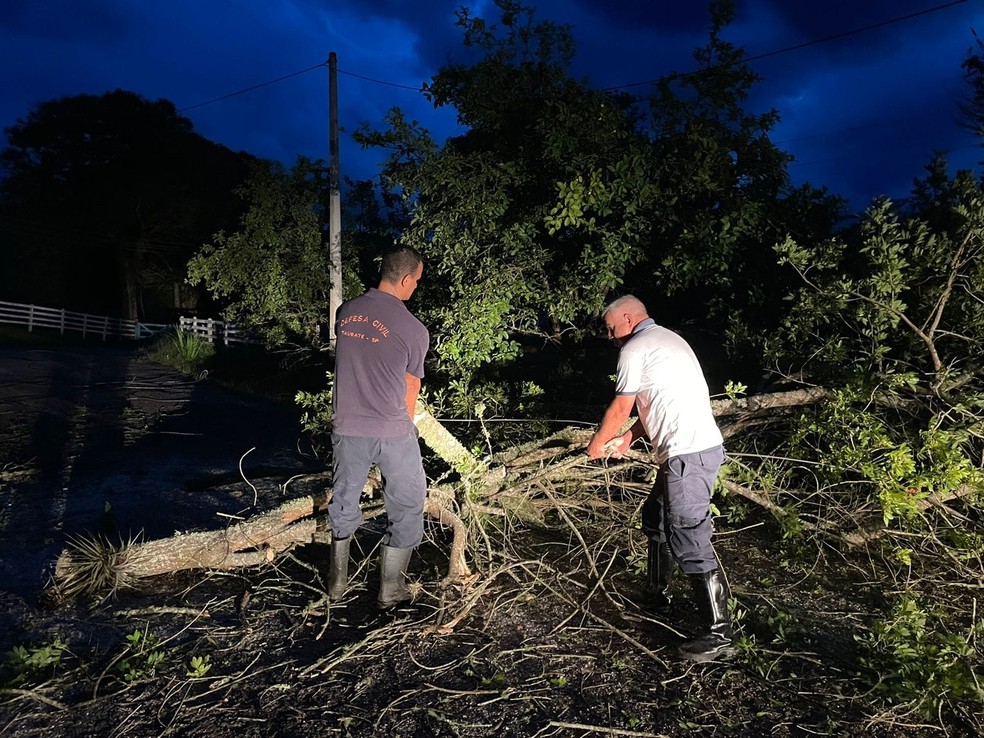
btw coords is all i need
(187, 352)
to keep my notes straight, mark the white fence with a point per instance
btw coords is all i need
(216, 331)
(35, 316)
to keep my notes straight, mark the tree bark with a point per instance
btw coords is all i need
(482, 487)
(247, 543)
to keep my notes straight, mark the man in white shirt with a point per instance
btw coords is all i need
(660, 376)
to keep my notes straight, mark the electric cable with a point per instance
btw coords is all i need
(672, 75)
(254, 87)
(795, 47)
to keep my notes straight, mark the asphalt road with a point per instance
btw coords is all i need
(96, 440)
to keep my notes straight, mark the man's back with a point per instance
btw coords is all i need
(671, 392)
(378, 343)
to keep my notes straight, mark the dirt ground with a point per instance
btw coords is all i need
(553, 639)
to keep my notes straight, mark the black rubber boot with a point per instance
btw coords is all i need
(711, 594)
(339, 566)
(659, 573)
(392, 576)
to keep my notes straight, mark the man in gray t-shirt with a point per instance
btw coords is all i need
(379, 362)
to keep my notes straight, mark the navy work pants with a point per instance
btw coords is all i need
(404, 485)
(678, 508)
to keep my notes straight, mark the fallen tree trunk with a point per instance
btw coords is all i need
(247, 543)
(517, 476)
(757, 403)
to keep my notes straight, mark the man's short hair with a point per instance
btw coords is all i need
(399, 262)
(629, 303)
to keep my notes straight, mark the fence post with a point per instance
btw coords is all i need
(61, 321)
(85, 323)
(211, 331)
(30, 318)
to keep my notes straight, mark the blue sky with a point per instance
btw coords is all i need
(864, 101)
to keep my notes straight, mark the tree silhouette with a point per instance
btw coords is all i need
(106, 197)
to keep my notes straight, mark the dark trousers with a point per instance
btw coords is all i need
(404, 485)
(678, 508)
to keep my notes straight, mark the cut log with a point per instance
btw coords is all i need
(247, 543)
(89, 564)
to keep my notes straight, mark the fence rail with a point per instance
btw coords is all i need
(216, 331)
(36, 316)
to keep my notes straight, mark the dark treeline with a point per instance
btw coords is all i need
(104, 200)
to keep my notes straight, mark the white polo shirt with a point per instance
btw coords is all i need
(660, 369)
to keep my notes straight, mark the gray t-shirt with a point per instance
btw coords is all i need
(378, 342)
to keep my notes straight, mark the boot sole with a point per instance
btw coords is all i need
(724, 652)
(392, 603)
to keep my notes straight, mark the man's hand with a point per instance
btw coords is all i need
(595, 449)
(616, 447)
(613, 421)
(619, 445)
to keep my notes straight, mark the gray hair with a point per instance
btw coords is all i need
(630, 303)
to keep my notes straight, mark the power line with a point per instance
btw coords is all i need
(795, 47)
(254, 87)
(292, 75)
(380, 81)
(756, 57)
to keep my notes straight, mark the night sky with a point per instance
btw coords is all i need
(866, 89)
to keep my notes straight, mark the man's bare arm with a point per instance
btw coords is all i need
(615, 416)
(413, 390)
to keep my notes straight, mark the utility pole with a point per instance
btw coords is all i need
(334, 202)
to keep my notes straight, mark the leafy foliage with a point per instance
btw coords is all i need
(199, 666)
(144, 655)
(890, 316)
(559, 196)
(908, 301)
(108, 196)
(27, 663)
(317, 411)
(912, 659)
(972, 107)
(273, 274)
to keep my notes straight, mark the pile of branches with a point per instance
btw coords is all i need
(524, 483)
(549, 483)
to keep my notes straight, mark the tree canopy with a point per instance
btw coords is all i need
(107, 197)
(560, 196)
(273, 273)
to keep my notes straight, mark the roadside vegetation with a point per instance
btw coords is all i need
(846, 358)
(182, 350)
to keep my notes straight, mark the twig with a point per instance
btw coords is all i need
(31, 694)
(604, 730)
(256, 493)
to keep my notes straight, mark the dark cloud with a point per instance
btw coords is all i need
(861, 113)
(804, 21)
(632, 15)
(60, 20)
